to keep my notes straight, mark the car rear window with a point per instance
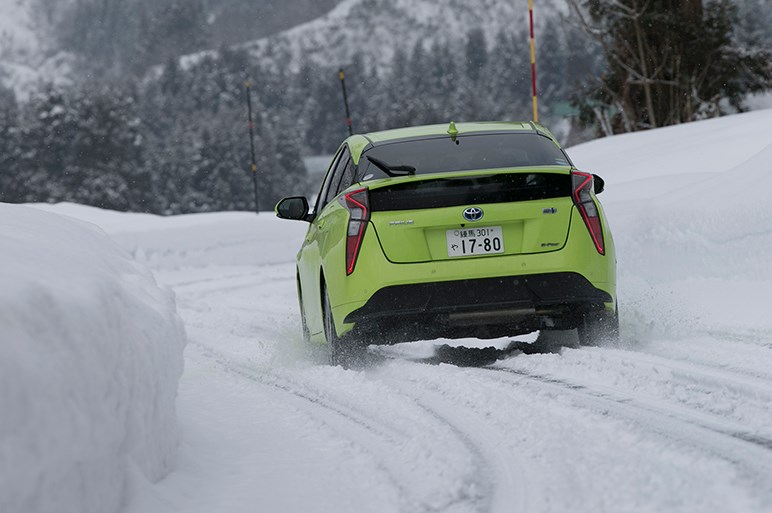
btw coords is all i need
(469, 190)
(476, 151)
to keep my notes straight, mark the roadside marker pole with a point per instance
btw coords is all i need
(533, 65)
(252, 142)
(345, 101)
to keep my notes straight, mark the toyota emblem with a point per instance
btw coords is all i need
(473, 214)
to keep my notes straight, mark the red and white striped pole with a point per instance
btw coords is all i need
(533, 65)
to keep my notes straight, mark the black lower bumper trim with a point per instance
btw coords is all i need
(504, 301)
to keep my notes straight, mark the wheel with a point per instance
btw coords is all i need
(304, 325)
(303, 322)
(344, 351)
(599, 327)
(329, 330)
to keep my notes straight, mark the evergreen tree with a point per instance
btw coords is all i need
(327, 124)
(509, 77)
(49, 122)
(400, 100)
(445, 90)
(476, 53)
(669, 61)
(358, 89)
(417, 87)
(10, 186)
(113, 37)
(553, 63)
(86, 147)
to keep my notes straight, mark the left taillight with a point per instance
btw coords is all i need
(582, 195)
(358, 207)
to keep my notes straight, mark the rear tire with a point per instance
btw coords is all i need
(599, 327)
(304, 326)
(344, 351)
(303, 322)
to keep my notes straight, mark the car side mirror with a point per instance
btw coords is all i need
(294, 208)
(600, 184)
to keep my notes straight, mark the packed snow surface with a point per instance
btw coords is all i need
(90, 359)
(676, 419)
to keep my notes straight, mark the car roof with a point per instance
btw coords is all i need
(442, 129)
(359, 142)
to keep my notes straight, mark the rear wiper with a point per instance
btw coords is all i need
(392, 171)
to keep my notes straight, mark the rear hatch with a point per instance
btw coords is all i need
(471, 216)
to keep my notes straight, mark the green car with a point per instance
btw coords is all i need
(463, 230)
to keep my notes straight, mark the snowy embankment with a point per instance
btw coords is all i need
(90, 357)
(691, 213)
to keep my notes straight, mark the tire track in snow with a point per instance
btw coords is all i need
(230, 300)
(753, 337)
(564, 457)
(268, 273)
(741, 354)
(306, 398)
(370, 432)
(735, 398)
(217, 279)
(513, 489)
(749, 452)
(750, 388)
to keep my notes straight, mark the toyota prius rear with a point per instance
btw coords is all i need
(469, 230)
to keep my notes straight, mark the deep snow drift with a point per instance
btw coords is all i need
(691, 213)
(675, 420)
(90, 358)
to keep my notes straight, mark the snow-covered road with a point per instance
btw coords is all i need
(662, 425)
(677, 419)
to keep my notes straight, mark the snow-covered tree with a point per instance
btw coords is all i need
(669, 61)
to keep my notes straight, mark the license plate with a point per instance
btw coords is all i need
(486, 240)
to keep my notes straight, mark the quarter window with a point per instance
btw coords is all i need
(337, 175)
(320, 200)
(348, 176)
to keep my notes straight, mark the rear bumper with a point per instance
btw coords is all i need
(527, 291)
(478, 307)
(506, 292)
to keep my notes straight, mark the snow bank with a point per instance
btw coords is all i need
(691, 214)
(90, 357)
(195, 240)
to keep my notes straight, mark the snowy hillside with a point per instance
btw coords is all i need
(47, 41)
(90, 358)
(378, 27)
(675, 420)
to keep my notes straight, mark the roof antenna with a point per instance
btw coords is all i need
(453, 132)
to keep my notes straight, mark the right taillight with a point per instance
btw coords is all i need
(582, 195)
